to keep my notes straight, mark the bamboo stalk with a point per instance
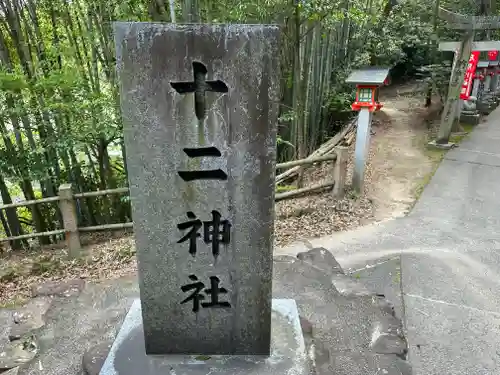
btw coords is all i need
(325, 148)
(29, 203)
(33, 235)
(294, 163)
(350, 139)
(294, 193)
(102, 192)
(107, 227)
(307, 67)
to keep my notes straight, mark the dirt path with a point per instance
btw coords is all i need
(399, 163)
(398, 167)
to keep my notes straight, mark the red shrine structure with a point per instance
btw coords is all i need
(367, 83)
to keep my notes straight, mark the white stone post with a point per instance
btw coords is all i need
(362, 146)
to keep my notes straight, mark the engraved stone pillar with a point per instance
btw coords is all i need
(200, 106)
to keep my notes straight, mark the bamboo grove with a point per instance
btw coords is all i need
(60, 117)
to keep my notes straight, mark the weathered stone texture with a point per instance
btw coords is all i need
(158, 124)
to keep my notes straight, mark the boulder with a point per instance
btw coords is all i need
(66, 288)
(353, 330)
(18, 353)
(29, 318)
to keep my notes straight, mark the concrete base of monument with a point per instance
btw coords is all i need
(127, 355)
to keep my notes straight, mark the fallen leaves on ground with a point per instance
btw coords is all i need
(20, 271)
(318, 215)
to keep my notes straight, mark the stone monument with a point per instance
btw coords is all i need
(199, 106)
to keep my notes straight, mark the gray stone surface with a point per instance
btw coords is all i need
(94, 359)
(321, 258)
(29, 318)
(485, 107)
(288, 355)
(5, 325)
(158, 124)
(362, 364)
(58, 288)
(384, 277)
(363, 133)
(12, 371)
(450, 263)
(346, 327)
(469, 105)
(18, 353)
(79, 323)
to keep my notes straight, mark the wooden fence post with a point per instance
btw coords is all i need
(340, 171)
(68, 211)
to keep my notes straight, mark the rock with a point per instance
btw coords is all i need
(306, 326)
(29, 317)
(388, 338)
(18, 353)
(485, 107)
(12, 371)
(354, 331)
(347, 286)
(58, 288)
(385, 305)
(94, 358)
(321, 258)
(298, 278)
(364, 364)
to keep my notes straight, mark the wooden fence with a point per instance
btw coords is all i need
(67, 206)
